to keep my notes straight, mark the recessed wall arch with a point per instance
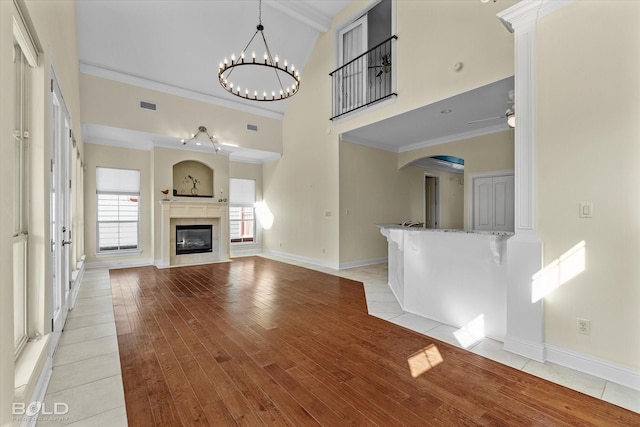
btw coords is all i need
(190, 174)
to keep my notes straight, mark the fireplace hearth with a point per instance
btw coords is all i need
(193, 239)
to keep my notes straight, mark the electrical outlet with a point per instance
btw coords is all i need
(584, 326)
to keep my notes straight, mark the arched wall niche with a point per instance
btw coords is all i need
(188, 172)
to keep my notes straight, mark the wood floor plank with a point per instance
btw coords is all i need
(258, 342)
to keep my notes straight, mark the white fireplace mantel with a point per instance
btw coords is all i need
(194, 209)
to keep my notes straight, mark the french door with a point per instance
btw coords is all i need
(353, 81)
(60, 210)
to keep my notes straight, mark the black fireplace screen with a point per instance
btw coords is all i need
(193, 239)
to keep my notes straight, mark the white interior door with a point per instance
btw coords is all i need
(503, 198)
(493, 203)
(482, 203)
(60, 211)
(353, 82)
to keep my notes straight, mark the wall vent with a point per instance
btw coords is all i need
(252, 127)
(148, 106)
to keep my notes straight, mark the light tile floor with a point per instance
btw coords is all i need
(87, 375)
(86, 367)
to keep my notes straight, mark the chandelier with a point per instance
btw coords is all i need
(282, 71)
(202, 129)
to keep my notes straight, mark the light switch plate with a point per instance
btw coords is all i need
(586, 210)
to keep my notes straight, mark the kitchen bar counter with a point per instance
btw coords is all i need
(456, 277)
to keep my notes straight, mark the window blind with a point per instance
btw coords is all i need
(242, 192)
(111, 180)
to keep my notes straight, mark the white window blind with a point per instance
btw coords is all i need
(118, 211)
(110, 180)
(242, 192)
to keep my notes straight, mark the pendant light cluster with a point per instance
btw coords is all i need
(203, 130)
(281, 70)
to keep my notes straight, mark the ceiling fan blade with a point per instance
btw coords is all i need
(487, 119)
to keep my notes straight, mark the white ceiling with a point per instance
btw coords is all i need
(428, 125)
(178, 44)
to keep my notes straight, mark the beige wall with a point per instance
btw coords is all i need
(53, 24)
(304, 184)
(121, 158)
(587, 150)
(372, 191)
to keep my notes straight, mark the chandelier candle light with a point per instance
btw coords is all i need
(284, 70)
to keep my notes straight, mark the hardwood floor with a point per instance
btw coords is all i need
(259, 342)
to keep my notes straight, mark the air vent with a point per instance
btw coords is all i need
(148, 105)
(252, 127)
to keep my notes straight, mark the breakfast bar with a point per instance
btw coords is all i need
(456, 277)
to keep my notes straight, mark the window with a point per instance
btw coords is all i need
(118, 211)
(242, 196)
(20, 203)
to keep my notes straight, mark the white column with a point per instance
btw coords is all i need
(525, 319)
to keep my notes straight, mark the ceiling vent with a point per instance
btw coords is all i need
(252, 127)
(148, 106)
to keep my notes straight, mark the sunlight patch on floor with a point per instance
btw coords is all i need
(424, 360)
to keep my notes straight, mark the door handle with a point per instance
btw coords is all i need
(66, 242)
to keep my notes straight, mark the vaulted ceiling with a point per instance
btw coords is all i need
(180, 43)
(177, 45)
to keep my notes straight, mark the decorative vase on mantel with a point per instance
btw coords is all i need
(194, 190)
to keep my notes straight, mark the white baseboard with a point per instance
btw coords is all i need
(593, 366)
(363, 263)
(40, 390)
(237, 253)
(313, 261)
(77, 276)
(530, 350)
(121, 263)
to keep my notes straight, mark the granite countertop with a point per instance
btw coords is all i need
(445, 230)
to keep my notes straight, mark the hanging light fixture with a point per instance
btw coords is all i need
(282, 70)
(201, 130)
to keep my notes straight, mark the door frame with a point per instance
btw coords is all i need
(424, 198)
(60, 158)
(364, 23)
(471, 178)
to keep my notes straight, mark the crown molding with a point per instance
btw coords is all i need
(529, 11)
(457, 137)
(120, 77)
(431, 142)
(303, 13)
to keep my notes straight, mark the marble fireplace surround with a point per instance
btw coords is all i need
(192, 212)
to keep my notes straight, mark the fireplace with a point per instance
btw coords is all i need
(193, 239)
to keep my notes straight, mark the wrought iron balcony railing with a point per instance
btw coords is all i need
(364, 80)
